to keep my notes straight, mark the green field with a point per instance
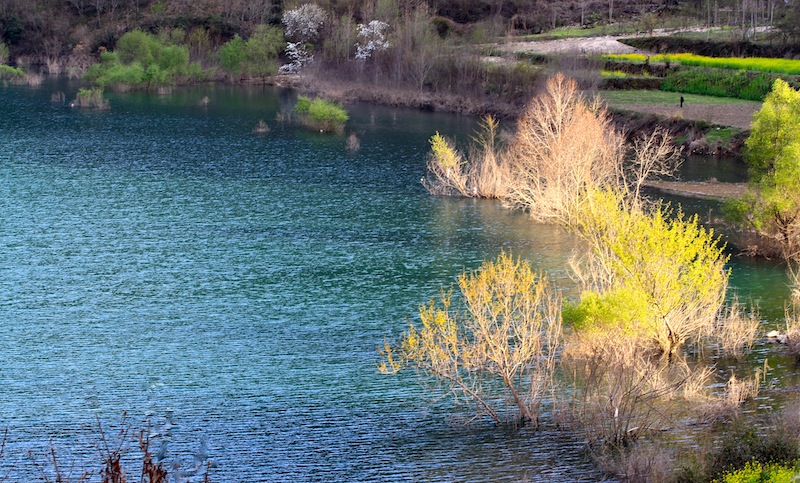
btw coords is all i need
(662, 97)
(760, 64)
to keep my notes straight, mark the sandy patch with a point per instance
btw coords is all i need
(587, 45)
(737, 115)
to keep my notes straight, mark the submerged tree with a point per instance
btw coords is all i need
(655, 276)
(501, 345)
(564, 147)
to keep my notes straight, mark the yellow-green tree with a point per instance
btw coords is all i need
(775, 126)
(773, 154)
(499, 346)
(649, 275)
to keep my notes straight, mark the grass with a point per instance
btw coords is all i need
(722, 135)
(759, 64)
(740, 84)
(578, 32)
(613, 74)
(623, 28)
(726, 33)
(662, 97)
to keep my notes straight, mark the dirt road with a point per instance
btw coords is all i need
(737, 115)
(583, 45)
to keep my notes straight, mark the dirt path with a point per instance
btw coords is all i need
(737, 115)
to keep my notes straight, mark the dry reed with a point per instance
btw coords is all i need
(735, 331)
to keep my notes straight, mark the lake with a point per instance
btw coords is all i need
(228, 291)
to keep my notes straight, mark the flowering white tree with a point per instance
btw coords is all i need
(305, 22)
(303, 25)
(299, 56)
(371, 38)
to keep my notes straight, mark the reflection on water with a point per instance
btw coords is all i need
(725, 169)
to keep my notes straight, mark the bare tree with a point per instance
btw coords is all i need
(563, 146)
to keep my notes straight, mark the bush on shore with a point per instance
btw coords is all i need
(142, 61)
(773, 154)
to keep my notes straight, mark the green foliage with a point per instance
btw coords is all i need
(775, 127)
(722, 135)
(657, 275)
(111, 72)
(262, 49)
(444, 153)
(3, 53)
(718, 82)
(231, 56)
(741, 211)
(622, 309)
(741, 448)
(303, 105)
(321, 114)
(7, 72)
(755, 472)
(91, 98)
(142, 61)
(761, 64)
(773, 155)
(257, 56)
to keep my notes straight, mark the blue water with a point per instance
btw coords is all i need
(227, 291)
(160, 260)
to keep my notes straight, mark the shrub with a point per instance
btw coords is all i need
(741, 445)
(485, 175)
(232, 55)
(90, 99)
(142, 61)
(3, 53)
(321, 114)
(621, 394)
(754, 472)
(735, 330)
(261, 51)
(563, 147)
(303, 105)
(501, 345)
(7, 72)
